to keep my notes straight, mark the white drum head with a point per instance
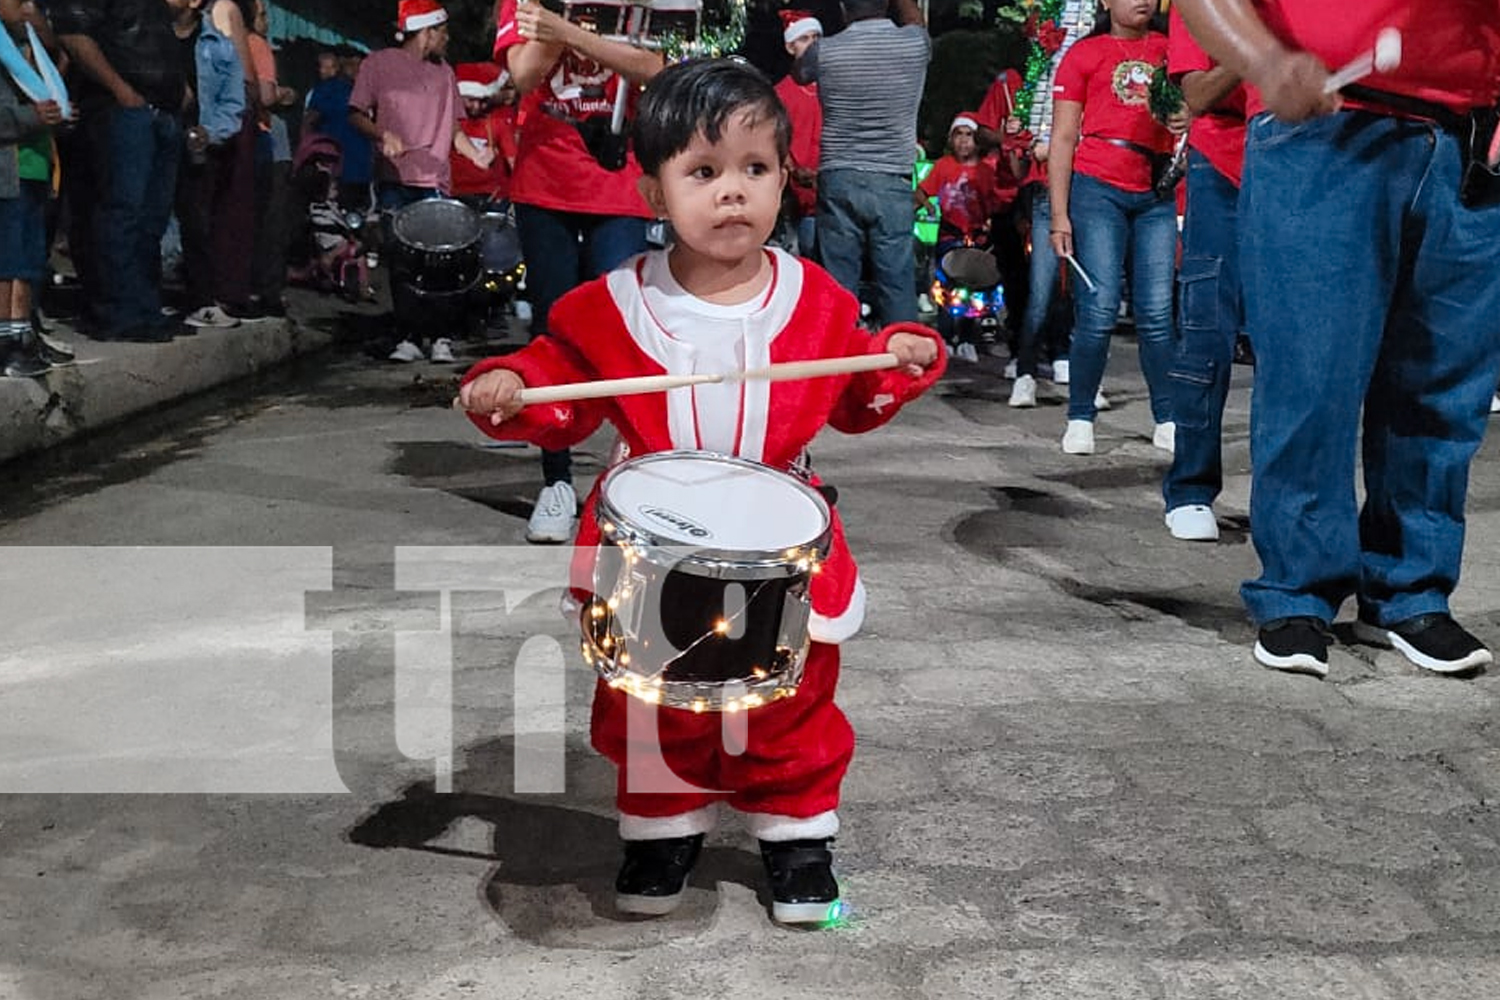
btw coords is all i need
(718, 503)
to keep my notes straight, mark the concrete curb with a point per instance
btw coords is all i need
(113, 381)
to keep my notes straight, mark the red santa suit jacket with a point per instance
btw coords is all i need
(607, 329)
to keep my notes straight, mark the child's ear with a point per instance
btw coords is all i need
(650, 189)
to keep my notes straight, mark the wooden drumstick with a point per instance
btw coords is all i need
(1384, 57)
(785, 371)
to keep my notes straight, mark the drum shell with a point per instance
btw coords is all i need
(499, 244)
(437, 246)
(698, 627)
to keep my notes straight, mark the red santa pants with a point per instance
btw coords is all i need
(672, 762)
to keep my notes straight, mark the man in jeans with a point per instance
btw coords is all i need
(130, 90)
(870, 78)
(1370, 289)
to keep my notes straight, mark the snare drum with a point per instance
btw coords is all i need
(437, 246)
(701, 595)
(499, 244)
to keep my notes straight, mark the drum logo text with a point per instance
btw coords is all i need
(678, 521)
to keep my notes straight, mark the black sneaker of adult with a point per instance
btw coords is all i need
(655, 873)
(800, 872)
(20, 360)
(1432, 641)
(1298, 644)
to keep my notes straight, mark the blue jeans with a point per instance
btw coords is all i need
(1042, 283)
(135, 152)
(807, 237)
(563, 250)
(1209, 315)
(860, 211)
(1108, 223)
(1368, 288)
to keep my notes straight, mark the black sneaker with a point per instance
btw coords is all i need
(1298, 645)
(655, 873)
(20, 360)
(1432, 641)
(803, 889)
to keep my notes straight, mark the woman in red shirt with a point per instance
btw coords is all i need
(1103, 141)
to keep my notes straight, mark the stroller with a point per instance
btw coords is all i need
(335, 247)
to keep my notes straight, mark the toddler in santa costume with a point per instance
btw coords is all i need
(712, 140)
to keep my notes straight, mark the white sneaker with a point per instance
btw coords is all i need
(1101, 401)
(555, 514)
(523, 310)
(1023, 393)
(211, 317)
(1078, 439)
(407, 351)
(1495, 403)
(442, 350)
(1010, 369)
(1194, 522)
(1165, 437)
(924, 304)
(1060, 371)
(966, 352)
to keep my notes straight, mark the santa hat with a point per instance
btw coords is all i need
(796, 23)
(482, 79)
(414, 15)
(964, 119)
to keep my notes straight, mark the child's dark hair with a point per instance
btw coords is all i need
(700, 95)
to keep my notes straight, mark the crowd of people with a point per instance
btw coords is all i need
(1348, 231)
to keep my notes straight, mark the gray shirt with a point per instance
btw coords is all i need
(870, 78)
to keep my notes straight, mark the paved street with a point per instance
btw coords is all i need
(1071, 781)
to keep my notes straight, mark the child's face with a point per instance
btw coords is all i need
(801, 43)
(11, 13)
(962, 141)
(722, 198)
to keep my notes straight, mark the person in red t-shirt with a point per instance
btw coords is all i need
(1003, 139)
(1211, 314)
(801, 29)
(489, 120)
(1104, 209)
(1368, 222)
(964, 185)
(574, 186)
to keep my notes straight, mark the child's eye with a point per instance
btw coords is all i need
(704, 173)
(759, 169)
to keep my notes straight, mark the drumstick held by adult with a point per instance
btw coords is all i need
(1384, 57)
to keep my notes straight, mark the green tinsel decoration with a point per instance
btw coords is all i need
(1031, 16)
(1165, 98)
(712, 42)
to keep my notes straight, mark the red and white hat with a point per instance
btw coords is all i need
(479, 79)
(796, 23)
(414, 15)
(964, 119)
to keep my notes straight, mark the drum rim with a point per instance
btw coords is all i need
(710, 560)
(475, 217)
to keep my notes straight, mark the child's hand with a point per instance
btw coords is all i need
(915, 352)
(497, 393)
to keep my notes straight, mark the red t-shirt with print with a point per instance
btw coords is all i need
(1450, 49)
(1111, 78)
(554, 169)
(806, 113)
(1219, 134)
(965, 194)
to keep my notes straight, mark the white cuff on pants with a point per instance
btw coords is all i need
(770, 826)
(661, 827)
